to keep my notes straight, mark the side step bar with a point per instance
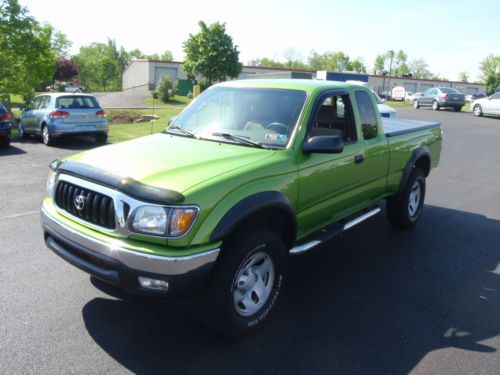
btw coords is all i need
(302, 248)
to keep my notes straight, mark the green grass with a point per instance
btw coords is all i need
(177, 100)
(125, 132)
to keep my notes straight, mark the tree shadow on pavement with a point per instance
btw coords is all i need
(11, 150)
(372, 301)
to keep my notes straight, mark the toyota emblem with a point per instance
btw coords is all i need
(80, 202)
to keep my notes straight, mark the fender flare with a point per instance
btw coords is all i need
(419, 153)
(251, 205)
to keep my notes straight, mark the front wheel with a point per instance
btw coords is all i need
(246, 283)
(416, 104)
(435, 105)
(404, 209)
(457, 109)
(477, 110)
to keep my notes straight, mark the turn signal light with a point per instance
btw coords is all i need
(181, 221)
(100, 113)
(59, 114)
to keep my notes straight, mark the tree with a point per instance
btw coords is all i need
(167, 56)
(463, 77)
(333, 61)
(401, 67)
(293, 58)
(379, 64)
(419, 68)
(24, 69)
(66, 69)
(211, 53)
(60, 43)
(358, 66)
(490, 72)
(165, 89)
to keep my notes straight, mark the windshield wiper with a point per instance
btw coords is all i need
(240, 140)
(186, 132)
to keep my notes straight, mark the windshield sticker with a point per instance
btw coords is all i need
(273, 137)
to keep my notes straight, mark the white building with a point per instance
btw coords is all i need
(144, 74)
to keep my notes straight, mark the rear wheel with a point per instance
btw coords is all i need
(477, 110)
(5, 142)
(46, 137)
(457, 109)
(416, 104)
(246, 283)
(435, 105)
(404, 209)
(20, 131)
(101, 139)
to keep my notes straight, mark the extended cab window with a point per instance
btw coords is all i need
(367, 114)
(334, 117)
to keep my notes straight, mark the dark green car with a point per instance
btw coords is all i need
(249, 174)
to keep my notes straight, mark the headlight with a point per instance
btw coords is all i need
(51, 182)
(163, 221)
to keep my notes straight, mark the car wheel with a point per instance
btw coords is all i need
(46, 137)
(20, 131)
(416, 104)
(477, 110)
(405, 208)
(101, 139)
(435, 105)
(246, 283)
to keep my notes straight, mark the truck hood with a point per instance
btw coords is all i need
(171, 162)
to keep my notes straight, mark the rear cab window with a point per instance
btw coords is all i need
(369, 127)
(76, 102)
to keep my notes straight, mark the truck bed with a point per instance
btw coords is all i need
(393, 127)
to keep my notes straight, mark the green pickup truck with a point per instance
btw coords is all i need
(250, 173)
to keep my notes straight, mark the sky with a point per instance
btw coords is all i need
(452, 36)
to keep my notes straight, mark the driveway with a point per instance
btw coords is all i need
(374, 301)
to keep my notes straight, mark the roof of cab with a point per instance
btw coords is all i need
(308, 85)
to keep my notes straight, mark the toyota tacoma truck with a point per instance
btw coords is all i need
(250, 173)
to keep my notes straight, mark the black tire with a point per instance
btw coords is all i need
(5, 142)
(399, 212)
(435, 105)
(46, 137)
(101, 139)
(457, 109)
(477, 110)
(216, 306)
(416, 104)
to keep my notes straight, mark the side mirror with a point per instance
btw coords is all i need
(323, 144)
(172, 119)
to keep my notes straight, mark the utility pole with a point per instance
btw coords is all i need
(391, 54)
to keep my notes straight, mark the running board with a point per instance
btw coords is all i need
(302, 248)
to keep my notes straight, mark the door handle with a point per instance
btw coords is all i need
(358, 159)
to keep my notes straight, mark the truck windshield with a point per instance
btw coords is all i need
(247, 116)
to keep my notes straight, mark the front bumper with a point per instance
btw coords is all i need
(121, 267)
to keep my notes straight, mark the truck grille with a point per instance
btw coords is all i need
(96, 208)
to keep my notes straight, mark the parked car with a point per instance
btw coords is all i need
(60, 115)
(67, 87)
(398, 93)
(487, 106)
(441, 97)
(5, 126)
(384, 109)
(249, 174)
(414, 97)
(477, 95)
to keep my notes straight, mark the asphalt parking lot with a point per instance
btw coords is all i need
(374, 301)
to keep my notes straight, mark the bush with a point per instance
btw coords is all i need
(204, 84)
(165, 89)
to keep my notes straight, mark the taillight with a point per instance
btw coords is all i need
(5, 117)
(59, 114)
(100, 113)
(445, 97)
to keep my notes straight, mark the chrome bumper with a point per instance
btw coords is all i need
(161, 265)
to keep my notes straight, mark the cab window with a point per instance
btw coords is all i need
(334, 117)
(369, 126)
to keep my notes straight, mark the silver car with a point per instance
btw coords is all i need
(487, 106)
(60, 115)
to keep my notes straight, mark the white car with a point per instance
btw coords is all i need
(487, 106)
(384, 109)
